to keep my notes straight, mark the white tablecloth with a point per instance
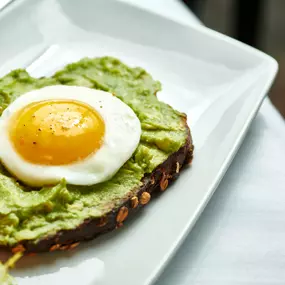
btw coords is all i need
(240, 237)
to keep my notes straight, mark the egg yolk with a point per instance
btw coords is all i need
(56, 132)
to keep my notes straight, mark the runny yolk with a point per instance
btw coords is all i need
(56, 132)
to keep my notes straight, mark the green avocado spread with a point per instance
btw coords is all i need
(32, 214)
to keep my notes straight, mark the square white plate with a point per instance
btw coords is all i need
(219, 82)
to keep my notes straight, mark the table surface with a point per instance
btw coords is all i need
(239, 238)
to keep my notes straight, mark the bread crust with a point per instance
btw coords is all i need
(157, 181)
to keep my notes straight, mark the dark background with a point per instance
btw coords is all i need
(259, 23)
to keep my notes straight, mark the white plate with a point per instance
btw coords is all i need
(219, 82)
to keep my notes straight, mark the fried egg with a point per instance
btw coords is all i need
(77, 133)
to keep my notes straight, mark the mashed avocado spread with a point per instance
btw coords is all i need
(32, 214)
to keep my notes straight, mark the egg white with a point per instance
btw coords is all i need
(122, 135)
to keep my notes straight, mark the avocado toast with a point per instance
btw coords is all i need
(59, 216)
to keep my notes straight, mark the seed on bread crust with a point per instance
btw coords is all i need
(54, 247)
(74, 245)
(177, 167)
(18, 248)
(102, 222)
(145, 197)
(163, 182)
(122, 214)
(64, 247)
(134, 202)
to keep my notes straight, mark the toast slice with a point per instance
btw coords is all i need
(60, 216)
